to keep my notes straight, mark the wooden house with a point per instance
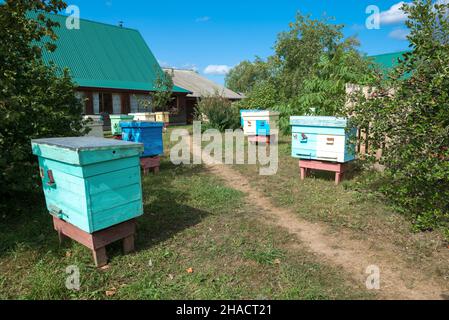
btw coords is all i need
(113, 67)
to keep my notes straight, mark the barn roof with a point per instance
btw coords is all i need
(388, 61)
(199, 85)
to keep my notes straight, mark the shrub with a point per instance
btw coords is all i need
(217, 112)
(36, 100)
(408, 118)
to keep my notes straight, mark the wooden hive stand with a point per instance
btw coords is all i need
(98, 241)
(338, 168)
(261, 139)
(150, 163)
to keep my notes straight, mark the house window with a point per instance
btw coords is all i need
(141, 103)
(106, 103)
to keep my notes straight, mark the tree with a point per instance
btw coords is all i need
(299, 50)
(324, 91)
(308, 72)
(409, 118)
(163, 95)
(246, 74)
(35, 100)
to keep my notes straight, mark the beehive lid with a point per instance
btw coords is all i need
(85, 150)
(259, 113)
(86, 143)
(250, 110)
(141, 124)
(121, 116)
(309, 121)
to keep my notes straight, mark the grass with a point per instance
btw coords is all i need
(198, 239)
(351, 207)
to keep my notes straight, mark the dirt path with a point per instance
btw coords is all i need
(397, 281)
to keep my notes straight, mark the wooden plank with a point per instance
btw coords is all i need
(118, 232)
(73, 233)
(322, 165)
(100, 257)
(98, 241)
(338, 168)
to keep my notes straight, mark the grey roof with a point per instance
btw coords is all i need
(199, 85)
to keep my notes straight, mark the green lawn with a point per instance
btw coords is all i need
(352, 207)
(197, 240)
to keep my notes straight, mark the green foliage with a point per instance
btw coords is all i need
(34, 101)
(324, 92)
(308, 73)
(161, 98)
(409, 118)
(299, 50)
(217, 112)
(263, 96)
(244, 76)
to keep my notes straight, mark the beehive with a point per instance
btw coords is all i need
(162, 117)
(91, 183)
(143, 116)
(147, 133)
(322, 138)
(259, 122)
(115, 122)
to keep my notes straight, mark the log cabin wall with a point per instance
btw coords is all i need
(124, 102)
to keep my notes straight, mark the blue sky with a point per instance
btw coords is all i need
(212, 36)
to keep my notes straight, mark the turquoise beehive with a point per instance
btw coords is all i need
(322, 138)
(91, 183)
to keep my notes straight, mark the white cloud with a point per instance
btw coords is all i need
(217, 69)
(202, 19)
(393, 15)
(399, 34)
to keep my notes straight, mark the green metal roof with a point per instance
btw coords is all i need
(105, 56)
(387, 61)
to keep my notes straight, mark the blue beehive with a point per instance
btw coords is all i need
(91, 183)
(148, 133)
(322, 138)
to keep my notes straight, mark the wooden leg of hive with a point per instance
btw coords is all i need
(156, 170)
(100, 257)
(338, 177)
(62, 237)
(303, 173)
(128, 244)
